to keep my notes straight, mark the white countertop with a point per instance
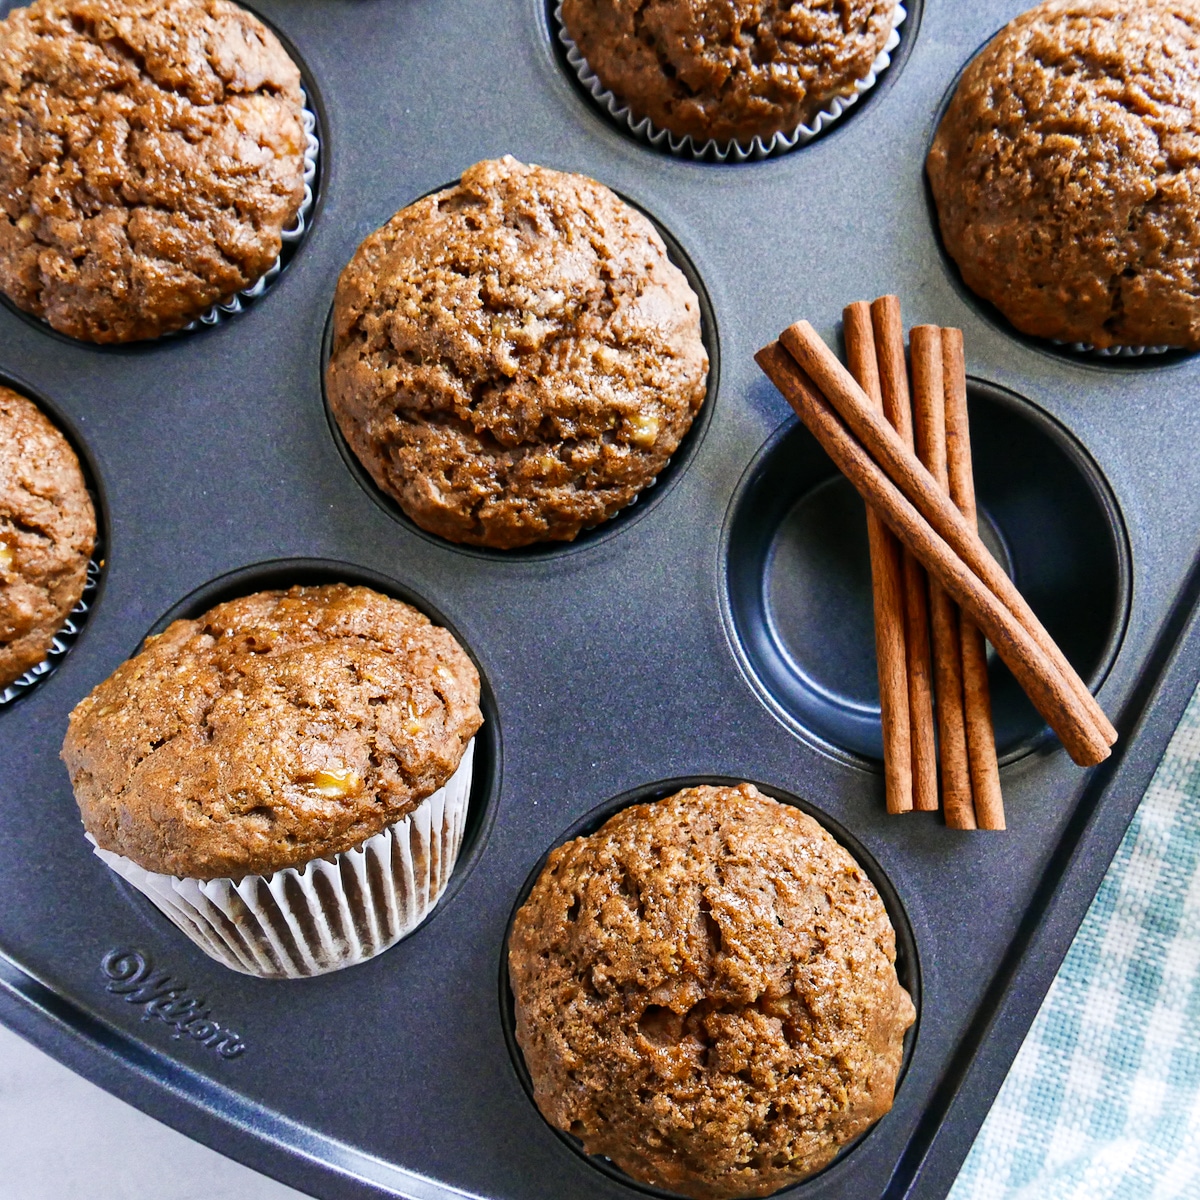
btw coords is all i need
(63, 1138)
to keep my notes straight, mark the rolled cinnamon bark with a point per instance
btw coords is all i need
(929, 410)
(897, 408)
(1033, 668)
(977, 698)
(887, 580)
(902, 466)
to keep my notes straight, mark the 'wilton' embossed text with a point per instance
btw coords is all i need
(130, 974)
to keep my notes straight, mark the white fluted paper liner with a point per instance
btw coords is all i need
(332, 913)
(739, 152)
(1086, 348)
(64, 639)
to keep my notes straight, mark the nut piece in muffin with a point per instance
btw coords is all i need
(705, 993)
(729, 70)
(516, 357)
(151, 154)
(275, 729)
(1066, 172)
(47, 534)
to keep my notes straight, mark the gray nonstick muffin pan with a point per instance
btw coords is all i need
(720, 628)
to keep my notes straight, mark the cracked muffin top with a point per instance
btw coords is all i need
(1066, 172)
(151, 154)
(275, 729)
(47, 534)
(705, 992)
(731, 70)
(516, 357)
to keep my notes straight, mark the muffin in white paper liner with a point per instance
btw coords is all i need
(712, 150)
(329, 914)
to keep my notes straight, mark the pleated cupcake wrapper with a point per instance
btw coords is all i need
(230, 308)
(63, 640)
(330, 914)
(714, 151)
(1090, 351)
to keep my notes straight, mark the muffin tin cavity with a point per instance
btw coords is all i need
(73, 627)
(798, 578)
(641, 503)
(908, 967)
(286, 573)
(887, 65)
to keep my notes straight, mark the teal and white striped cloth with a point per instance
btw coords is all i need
(1103, 1101)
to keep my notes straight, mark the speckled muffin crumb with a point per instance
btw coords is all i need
(732, 70)
(515, 358)
(705, 993)
(151, 154)
(47, 534)
(1066, 172)
(275, 729)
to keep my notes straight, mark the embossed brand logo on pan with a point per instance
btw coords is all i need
(131, 975)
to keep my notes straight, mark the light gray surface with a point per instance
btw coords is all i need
(63, 1138)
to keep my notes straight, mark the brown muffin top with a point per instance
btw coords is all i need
(731, 70)
(47, 534)
(151, 153)
(516, 357)
(706, 993)
(275, 729)
(1067, 172)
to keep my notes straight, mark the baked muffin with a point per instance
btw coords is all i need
(151, 154)
(515, 358)
(729, 70)
(1066, 172)
(276, 732)
(705, 993)
(47, 534)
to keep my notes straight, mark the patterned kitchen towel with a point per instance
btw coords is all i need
(1103, 1100)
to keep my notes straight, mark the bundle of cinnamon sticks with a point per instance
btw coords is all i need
(938, 590)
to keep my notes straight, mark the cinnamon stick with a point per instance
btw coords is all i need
(977, 699)
(897, 408)
(1032, 667)
(929, 408)
(887, 581)
(901, 465)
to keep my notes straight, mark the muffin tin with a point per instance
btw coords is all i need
(719, 629)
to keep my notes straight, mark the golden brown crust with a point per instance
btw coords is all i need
(729, 69)
(516, 357)
(277, 728)
(705, 992)
(47, 534)
(1067, 172)
(151, 153)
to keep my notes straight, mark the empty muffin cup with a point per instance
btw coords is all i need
(798, 599)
